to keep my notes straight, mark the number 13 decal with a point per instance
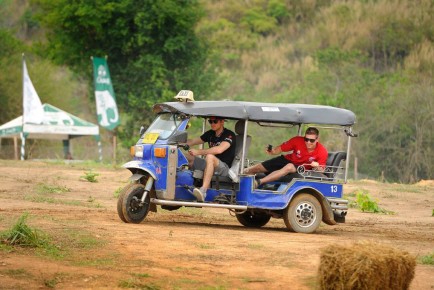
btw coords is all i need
(334, 188)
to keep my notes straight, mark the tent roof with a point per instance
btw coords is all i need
(57, 124)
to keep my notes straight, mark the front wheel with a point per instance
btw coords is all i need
(130, 209)
(303, 214)
(253, 220)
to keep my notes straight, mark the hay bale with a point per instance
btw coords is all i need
(365, 265)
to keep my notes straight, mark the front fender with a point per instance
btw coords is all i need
(136, 166)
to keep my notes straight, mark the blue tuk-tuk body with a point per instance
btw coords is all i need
(161, 175)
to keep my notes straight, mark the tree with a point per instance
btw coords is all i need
(152, 48)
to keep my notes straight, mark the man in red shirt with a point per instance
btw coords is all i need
(306, 151)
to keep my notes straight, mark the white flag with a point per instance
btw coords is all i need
(32, 106)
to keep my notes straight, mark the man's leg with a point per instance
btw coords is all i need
(257, 168)
(275, 175)
(211, 163)
(190, 159)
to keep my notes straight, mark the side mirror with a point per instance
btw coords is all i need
(178, 137)
(142, 131)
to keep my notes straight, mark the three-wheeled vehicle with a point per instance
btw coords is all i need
(161, 176)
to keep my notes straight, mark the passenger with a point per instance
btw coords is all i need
(305, 150)
(219, 155)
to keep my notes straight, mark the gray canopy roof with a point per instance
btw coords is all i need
(262, 112)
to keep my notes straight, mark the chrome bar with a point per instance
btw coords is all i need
(197, 204)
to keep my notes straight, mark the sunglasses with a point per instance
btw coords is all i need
(213, 121)
(309, 140)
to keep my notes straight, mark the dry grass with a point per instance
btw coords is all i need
(365, 265)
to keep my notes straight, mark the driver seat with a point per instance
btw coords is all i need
(236, 163)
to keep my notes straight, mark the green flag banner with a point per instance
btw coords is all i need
(106, 108)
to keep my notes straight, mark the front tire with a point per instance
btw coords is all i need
(129, 208)
(253, 219)
(303, 214)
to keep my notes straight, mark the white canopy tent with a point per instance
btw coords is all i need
(57, 124)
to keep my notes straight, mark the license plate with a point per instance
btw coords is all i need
(150, 138)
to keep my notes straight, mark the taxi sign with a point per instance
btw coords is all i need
(150, 138)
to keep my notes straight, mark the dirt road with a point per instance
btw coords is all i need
(188, 248)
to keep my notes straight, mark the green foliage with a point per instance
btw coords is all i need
(277, 9)
(23, 235)
(152, 48)
(375, 58)
(427, 260)
(90, 176)
(365, 203)
(136, 283)
(117, 192)
(259, 22)
(50, 189)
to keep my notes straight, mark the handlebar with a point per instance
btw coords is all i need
(184, 146)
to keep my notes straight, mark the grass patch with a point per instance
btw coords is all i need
(43, 188)
(136, 283)
(365, 203)
(45, 199)
(427, 260)
(16, 273)
(141, 275)
(90, 176)
(117, 192)
(205, 246)
(255, 246)
(23, 235)
(254, 280)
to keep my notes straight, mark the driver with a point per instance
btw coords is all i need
(219, 155)
(306, 151)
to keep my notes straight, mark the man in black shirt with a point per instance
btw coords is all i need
(219, 155)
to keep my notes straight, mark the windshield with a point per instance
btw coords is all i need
(165, 125)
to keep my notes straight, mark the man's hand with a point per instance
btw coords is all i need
(314, 164)
(193, 152)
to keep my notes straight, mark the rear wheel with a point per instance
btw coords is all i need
(253, 220)
(132, 210)
(303, 214)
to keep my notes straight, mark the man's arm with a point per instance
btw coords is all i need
(195, 141)
(213, 150)
(275, 151)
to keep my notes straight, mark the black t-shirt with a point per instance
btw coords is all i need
(227, 135)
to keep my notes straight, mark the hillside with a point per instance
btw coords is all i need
(375, 58)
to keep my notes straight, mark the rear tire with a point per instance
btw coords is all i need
(303, 214)
(129, 202)
(253, 220)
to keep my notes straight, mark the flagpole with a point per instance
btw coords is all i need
(114, 144)
(23, 140)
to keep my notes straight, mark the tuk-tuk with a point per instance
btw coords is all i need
(161, 176)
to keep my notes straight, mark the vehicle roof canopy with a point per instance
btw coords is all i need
(262, 112)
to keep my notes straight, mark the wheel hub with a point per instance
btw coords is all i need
(305, 214)
(135, 204)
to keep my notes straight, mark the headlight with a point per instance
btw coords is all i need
(138, 151)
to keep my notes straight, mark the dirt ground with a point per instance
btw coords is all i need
(188, 248)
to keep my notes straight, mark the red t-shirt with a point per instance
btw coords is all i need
(300, 155)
